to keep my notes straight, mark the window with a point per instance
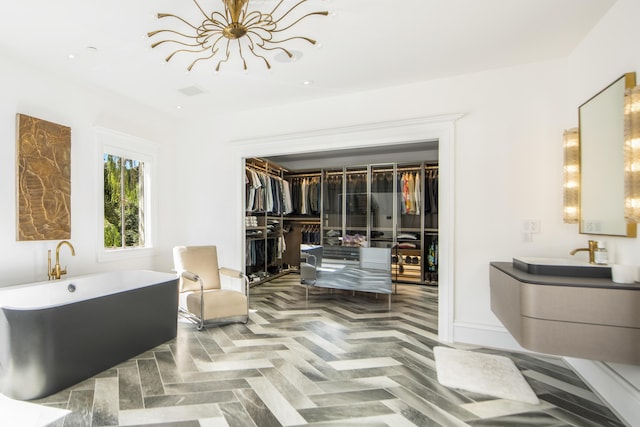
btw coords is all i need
(124, 222)
(125, 196)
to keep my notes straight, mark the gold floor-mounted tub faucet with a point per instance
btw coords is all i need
(593, 245)
(56, 272)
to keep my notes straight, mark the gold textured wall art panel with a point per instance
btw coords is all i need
(44, 179)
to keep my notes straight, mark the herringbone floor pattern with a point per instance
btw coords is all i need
(334, 360)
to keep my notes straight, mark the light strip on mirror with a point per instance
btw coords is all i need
(632, 155)
(571, 193)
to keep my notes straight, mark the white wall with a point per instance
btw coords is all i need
(30, 91)
(508, 163)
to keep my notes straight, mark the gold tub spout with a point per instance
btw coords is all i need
(593, 245)
(57, 271)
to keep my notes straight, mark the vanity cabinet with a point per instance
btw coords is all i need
(589, 318)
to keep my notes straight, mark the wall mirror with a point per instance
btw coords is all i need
(602, 161)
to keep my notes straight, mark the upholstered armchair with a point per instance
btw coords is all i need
(202, 299)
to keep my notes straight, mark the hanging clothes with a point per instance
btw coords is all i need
(266, 193)
(253, 190)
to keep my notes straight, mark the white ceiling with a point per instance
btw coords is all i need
(363, 45)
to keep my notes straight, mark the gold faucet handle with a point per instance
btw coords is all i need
(49, 271)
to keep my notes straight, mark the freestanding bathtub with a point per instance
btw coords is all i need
(56, 334)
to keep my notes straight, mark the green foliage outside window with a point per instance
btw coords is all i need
(123, 202)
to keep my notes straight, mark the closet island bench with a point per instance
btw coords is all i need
(356, 269)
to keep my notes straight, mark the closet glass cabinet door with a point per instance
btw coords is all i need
(408, 256)
(356, 207)
(332, 207)
(382, 214)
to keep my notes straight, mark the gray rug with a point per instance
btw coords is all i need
(481, 373)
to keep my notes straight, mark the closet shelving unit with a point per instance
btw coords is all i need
(303, 227)
(262, 236)
(416, 229)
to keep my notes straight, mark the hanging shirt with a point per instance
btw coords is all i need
(417, 196)
(286, 195)
(405, 193)
(412, 187)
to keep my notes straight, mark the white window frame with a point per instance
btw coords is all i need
(130, 147)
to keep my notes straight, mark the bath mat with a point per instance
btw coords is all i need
(25, 414)
(488, 374)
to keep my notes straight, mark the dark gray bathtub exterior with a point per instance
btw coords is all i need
(43, 351)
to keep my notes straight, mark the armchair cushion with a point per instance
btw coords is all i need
(218, 304)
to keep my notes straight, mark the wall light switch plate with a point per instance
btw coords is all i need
(531, 225)
(534, 225)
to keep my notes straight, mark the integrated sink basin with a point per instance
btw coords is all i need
(561, 267)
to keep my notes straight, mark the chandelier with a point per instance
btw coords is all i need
(253, 31)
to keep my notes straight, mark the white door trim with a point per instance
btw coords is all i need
(441, 128)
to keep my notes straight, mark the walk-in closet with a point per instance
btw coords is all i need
(341, 207)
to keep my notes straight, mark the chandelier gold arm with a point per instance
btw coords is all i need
(290, 10)
(169, 15)
(177, 42)
(228, 53)
(168, 58)
(259, 19)
(252, 46)
(323, 13)
(312, 41)
(274, 48)
(201, 59)
(202, 10)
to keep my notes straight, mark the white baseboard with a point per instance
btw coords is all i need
(485, 336)
(621, 396)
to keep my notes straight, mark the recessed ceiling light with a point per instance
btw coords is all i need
(307, 82)
(179, 107)
(71, 56)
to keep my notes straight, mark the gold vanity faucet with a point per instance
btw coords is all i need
(593, 245)
(56, 272)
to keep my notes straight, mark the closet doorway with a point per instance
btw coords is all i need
(339, 199)
(364, 140)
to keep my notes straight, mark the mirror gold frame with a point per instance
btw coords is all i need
(601, 121)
